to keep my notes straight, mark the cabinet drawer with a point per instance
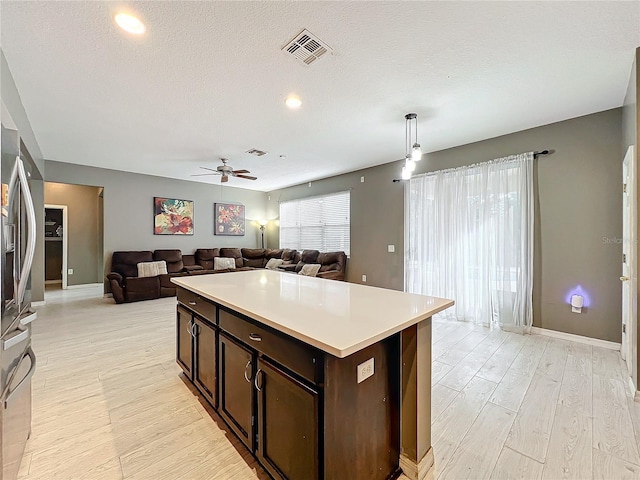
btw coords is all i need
(285, 350)
(198, 304)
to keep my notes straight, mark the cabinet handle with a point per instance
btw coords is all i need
(245, 371)
(255, 381)
(189, 327)
(192, 302)
(255, 337)
(194, 329)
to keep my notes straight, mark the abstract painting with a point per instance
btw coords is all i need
(229, 219)
(172, 216)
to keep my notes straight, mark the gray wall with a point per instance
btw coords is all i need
(12, 101)
(630, 134)
(128, 208)
(578, 204)
(82, 229)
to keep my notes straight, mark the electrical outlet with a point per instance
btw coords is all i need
(365, 370)
(362, 179)
(364, 278)
(70, 271)
(391, 248)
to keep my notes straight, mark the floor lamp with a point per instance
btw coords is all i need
(263, 224)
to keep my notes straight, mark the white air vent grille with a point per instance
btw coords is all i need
(256, 152)
(306, 47)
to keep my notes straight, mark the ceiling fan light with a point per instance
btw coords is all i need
(416, 152)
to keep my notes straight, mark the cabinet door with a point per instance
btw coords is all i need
(287, 424)
(184, 346)
(204, 371)
(236, 366)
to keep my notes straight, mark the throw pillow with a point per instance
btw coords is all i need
(152, 269)
(224, 263)
(273, 263)
(310, 269)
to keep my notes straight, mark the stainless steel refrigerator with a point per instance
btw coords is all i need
(17, 244)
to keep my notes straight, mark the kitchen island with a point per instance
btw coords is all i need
(319, 379)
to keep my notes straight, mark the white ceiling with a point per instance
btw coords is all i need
(209, 80)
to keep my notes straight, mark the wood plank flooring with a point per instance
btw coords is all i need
(109, 403)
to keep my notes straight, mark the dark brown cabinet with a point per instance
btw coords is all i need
(204, 367)
(287, 424)
(299, 411)
(184, 337)
(237, 366)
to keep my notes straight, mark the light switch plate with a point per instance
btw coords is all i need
(364, 278)
(365, 370)
(391, 248)
(70, 271)
(362, 179)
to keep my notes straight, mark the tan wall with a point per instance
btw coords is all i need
(578, 206)
(82, 229)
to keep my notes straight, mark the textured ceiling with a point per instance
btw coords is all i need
(208, 80)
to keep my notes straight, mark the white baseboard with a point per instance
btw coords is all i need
(38, 304)
(85, 285)
(107, 295)
(576, 338)
(53, 282)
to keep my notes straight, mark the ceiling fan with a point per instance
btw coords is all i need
(226, 171)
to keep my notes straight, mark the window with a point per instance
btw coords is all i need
(317, 223)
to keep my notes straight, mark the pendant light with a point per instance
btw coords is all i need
(413, 147)
(413, 150)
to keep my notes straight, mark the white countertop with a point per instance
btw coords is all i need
(339, 318)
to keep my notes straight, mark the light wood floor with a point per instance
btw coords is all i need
(109, 403)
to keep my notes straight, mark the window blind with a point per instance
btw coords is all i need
(317, 223)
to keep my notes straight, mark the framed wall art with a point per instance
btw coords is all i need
(228, 219)
(172, 216)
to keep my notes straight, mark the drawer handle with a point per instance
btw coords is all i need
(245, 371)
(192, 302)
(255, 337)
(255, 381)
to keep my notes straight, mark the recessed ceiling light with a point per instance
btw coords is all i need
(130, 24)
(293, 101)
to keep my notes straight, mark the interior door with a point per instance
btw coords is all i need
(628, 277)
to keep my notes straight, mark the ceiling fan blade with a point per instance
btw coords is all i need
(224, 179)
(210, 169)
(204, 174)
(241, 171)
(247, 177)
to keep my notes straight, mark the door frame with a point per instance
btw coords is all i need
(629, 241)
(65, 239)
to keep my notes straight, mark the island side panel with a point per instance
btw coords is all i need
(416, 458)
(362, 420)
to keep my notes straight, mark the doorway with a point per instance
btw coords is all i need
(55, 245)
(629, 275)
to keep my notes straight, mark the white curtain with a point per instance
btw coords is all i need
(469, 237)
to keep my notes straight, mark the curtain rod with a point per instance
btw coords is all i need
(535, 155)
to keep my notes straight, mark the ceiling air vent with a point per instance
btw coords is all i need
(306, 47)
(256, 152)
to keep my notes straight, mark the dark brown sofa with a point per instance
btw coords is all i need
(126, 286)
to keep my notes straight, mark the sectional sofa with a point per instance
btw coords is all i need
(133, 276)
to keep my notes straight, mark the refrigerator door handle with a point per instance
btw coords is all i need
(15, 339)
(31, 231)
(31, 316)
(8, 393)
